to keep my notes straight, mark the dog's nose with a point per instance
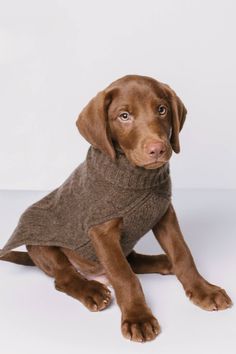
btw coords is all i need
(155, 150)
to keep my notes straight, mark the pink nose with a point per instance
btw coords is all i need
(155, 150)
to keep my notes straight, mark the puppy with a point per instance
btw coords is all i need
(122, 190)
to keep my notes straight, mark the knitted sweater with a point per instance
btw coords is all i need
(98, 190)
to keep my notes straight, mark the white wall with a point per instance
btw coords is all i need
(55, 55)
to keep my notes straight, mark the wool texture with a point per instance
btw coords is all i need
(98, 190)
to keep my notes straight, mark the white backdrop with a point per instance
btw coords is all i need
(55, 55)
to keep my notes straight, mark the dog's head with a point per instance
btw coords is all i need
(139, 115)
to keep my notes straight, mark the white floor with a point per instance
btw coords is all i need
(35, 318)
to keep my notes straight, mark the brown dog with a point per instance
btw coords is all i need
(134, 123)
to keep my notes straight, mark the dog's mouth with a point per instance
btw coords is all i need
(154, 165)
(139, 159)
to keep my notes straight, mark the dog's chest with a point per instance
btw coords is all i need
(141, 218)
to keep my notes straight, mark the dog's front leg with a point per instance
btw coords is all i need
(202, 293)
(138, 323)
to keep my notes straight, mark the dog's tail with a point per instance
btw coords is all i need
(18, 257)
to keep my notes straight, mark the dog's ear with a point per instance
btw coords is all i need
(178, 115)
(93, 123)
(178, 118)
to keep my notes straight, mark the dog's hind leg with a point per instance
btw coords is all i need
(143, 264)
(94, 295)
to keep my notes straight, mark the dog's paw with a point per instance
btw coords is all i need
(96, 296)
(140, 328)
(209, 297)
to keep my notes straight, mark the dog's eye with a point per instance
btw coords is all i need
(162, 110)
(124, 116)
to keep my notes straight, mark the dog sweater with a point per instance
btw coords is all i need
(98, 190)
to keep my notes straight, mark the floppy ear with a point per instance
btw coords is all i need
(93, 123)
(178, 118)
(178, 115)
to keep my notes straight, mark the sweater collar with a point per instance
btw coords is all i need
(121, 173)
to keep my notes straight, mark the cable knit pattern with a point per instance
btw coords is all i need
(97, 191)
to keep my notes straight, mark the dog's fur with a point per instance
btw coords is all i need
(127, 116)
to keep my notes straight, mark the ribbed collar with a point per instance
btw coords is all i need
(121, 173)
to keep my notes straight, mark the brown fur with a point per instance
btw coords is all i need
(147, 140)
